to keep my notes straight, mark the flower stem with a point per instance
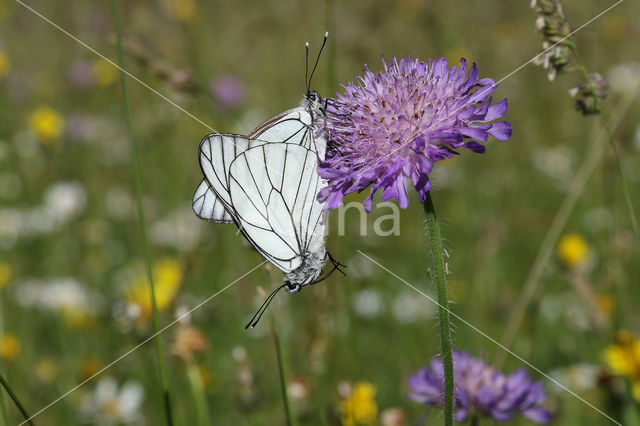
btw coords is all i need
(15, 399)
(443, 306)
(475, 421)
(283, 384)
(141, 215)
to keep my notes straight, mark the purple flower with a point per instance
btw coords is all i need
(228, 90)
(80, 75)
(394, 125)
(480, 389)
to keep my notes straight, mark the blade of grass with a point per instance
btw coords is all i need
(200, 398)
(283, 383)
(276, 344)
(557, 225)
(3, 403)
(15, 400)
(141, 215)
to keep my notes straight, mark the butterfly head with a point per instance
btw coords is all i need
(312, 101)
(291, 288)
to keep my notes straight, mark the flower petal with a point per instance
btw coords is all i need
(500, 130)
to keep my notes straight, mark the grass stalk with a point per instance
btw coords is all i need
(141, 215)
(3, 402)
(616, 155)
(197, 388)
(553, 233)
(3, 409)
(625, 187)
(283, 383)
(437, 251)
(15, 400)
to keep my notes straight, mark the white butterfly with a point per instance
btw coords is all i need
(267, 184)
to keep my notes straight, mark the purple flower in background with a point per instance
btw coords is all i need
(80, 75)
(480, 390)
(394, 125)
(228, 90)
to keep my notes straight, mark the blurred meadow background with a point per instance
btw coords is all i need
(73, 290)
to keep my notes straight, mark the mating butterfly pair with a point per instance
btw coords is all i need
(267, 184)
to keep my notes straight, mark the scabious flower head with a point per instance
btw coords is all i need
(480, 390)
(394, 125)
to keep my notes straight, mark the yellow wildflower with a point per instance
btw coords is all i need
(4, 64)
(184, 10)
(167, 276)
(104, 72)
(5, 274)
(606, 302)
(623, 358)
(47, 370)
(88, 368)
(360, 407)
(47, 124)
(77, 317)
(573, 250)
(9, 347)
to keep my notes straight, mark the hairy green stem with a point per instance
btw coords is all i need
(141, 215)
(15, 399)
(443, 306)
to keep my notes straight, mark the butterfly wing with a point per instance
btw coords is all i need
(293, 126)
(273, 190)
(218, 150)
(207, 205)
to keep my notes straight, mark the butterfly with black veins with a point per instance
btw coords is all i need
(267, 184)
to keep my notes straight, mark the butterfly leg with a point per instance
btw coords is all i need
(337, 264)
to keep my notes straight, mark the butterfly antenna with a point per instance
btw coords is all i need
(262, 309)
(306, 65)
(317, 59)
